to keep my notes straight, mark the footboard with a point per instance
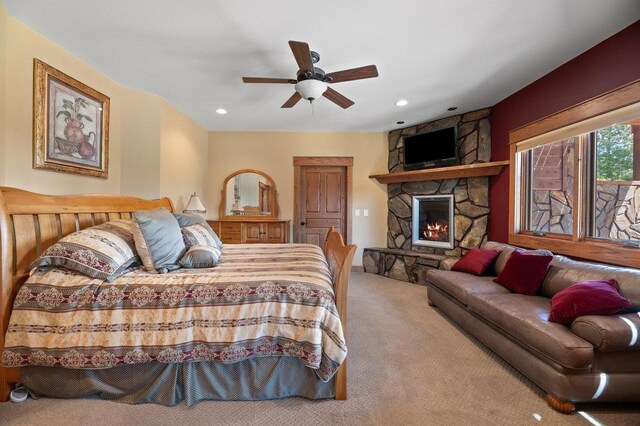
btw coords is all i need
(340, 257)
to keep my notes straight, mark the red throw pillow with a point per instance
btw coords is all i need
(476, 261)
(596, 297)
(523, 273)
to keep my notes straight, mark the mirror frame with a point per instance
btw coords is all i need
(274, 203)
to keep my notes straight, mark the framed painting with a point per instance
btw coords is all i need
(70, 124)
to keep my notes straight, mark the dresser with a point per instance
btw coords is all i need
(251, 230)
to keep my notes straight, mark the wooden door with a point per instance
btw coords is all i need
(322, 199)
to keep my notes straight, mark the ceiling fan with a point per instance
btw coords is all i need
(312, 82)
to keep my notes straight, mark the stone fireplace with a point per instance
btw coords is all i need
(407, 255)
(432, 223)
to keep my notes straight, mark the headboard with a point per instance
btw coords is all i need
(30, 223)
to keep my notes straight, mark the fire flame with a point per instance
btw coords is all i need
(436, 231)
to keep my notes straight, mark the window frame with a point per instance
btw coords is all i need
(579, 244)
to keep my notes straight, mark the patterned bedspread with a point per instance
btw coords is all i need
(261, 300)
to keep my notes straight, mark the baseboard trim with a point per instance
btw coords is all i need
(357, 268)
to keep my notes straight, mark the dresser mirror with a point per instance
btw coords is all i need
(248, 193)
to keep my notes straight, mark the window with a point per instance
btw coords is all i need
(550, 197)
(576, 180)
(616, 203)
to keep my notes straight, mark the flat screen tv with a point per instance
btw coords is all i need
(436, 148)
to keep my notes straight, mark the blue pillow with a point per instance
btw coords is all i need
(158, 240)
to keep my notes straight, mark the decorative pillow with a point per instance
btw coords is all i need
(198, 235)
(523, 273)
(104, 251)
(189, 219)
(199, 256)
(476, 261)
(507, 249)
(158, 240)
(595, 297)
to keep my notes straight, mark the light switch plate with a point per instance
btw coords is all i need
(366, 212)
(357, 212)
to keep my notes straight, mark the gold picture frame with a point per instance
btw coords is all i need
(70, 124)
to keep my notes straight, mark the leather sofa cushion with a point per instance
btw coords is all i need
(460, 285)
(447, 264)
(525, 319)
(609, 333)
(564, 272)
(506, 251)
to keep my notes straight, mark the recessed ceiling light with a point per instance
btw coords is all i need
(399, 122)
(402, 102)
(452, 108)
(221, 111)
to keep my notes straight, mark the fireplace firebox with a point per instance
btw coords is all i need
(432, 221)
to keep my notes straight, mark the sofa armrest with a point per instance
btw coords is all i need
(609, 333)
(448, 263)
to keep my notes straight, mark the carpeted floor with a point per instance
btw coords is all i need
(408, 364)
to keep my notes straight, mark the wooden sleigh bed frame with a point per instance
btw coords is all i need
(30, 223)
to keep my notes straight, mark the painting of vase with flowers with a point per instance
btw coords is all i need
(70, 124)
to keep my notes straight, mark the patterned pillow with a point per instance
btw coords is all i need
(199, 235)
(104, 251)
(189, 219)
(199, 256)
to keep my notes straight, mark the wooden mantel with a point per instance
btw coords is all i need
(453, 172)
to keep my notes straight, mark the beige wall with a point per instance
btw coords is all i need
(140, 144)
(273, 152)
(153, 149)
(3, 79)
(183, 156)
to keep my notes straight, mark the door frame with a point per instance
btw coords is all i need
(298, 163)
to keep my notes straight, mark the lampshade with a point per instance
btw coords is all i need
(195, 205)
(311, 89)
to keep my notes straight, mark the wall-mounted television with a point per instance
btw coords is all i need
(435, 148)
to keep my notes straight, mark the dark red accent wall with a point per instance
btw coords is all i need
(606, 66)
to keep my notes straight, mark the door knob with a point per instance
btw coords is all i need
(302, 223)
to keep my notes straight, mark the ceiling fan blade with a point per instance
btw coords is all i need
(369, 71)
(337, 98)
(302, 54)
(292, 100)
(268, 80)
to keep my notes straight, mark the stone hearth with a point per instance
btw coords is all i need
(403, 265)
(471, 197)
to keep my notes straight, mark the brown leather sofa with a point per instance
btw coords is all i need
(596, 359)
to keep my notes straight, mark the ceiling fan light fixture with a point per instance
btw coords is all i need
(311, 89)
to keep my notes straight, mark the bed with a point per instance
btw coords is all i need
(200, 336)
